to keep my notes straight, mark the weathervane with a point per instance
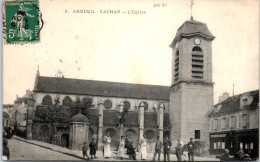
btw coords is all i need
(191, 4)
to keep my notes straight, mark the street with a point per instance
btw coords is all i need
(20, 150)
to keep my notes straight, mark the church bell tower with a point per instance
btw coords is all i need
(191, 93)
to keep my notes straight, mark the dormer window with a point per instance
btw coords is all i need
(217, 108)
(245, 100)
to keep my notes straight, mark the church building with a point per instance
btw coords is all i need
(178, 111)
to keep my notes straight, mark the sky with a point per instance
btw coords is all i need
(134, 48)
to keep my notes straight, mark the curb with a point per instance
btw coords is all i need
(50, 149)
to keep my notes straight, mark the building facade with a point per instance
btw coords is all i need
(179, 111)
(8, 115)
(191, 92)
(110, 98)
(234, 124)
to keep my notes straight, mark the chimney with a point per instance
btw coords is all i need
(28, 91)
(223, 97)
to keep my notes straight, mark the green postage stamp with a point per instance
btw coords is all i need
(21, 21)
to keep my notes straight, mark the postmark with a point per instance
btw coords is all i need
(22, 21)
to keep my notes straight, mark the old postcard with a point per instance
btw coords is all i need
(130, 80)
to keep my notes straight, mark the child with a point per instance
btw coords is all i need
(84, 150)
(185, 155)
(93, 148)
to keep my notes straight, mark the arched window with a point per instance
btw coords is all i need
(197, 63)
(131, 134)
(108, 104)
(47, 100)
(67, 101)
(197, 49)
(176, 66)
(145, 106)
(127, 105)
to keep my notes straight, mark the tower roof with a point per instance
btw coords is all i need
(192, 28)
(79, 118)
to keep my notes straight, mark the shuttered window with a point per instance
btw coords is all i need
(197, 63)
(227, 123)
(215, 125)
(223, 124)
(233, 122)
(245, 121)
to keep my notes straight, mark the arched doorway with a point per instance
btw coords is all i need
(65, 140)
(44, 133)
(114, 138)
(132, 136)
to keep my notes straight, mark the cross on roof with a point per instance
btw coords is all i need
(191, 5)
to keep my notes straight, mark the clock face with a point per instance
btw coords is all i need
(197, 41)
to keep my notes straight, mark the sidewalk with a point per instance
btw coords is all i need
(78, 154)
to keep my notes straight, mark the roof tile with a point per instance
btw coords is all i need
(102, 88)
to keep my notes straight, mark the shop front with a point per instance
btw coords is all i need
(233, 140)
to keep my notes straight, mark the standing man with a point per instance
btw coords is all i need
(127, 146)
(191, 147)
(166, 149)
(179, 150)
(158, 146)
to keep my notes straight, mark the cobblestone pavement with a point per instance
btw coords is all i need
(20, 150)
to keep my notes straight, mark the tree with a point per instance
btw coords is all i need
(57, 113)
(123, 116)
(81, 105)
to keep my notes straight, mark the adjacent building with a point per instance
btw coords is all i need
(19, 113)
(234, 123)
(8, 115)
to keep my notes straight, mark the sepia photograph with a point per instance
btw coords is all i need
(110, 80)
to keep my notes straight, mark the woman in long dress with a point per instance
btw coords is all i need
(107, 150)
(143, 143)
(121, 148)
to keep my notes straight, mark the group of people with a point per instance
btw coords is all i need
(239, 156)
(92, 147)
(185, 153)
(182, 154)
(125, 146)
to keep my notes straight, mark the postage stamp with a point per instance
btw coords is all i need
(21, 21)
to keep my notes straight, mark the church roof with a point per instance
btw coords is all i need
(232, 104)
(191, 28)
(101, 88)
